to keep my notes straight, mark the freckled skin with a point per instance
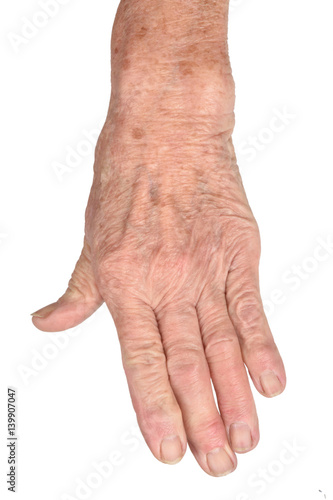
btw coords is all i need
(171, 244)
(138, 133)
(187, 67)
(126, 64)
(143, 32)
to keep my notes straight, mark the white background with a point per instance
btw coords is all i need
(75, 409)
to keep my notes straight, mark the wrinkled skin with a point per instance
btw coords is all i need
(172, 247)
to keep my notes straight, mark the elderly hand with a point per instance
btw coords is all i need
(172, 247)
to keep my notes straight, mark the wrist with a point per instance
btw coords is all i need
(172, 85)
(170, 43)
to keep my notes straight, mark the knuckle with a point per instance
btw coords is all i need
(208, 428)
(237, 410)
(261, 345)
(245, 229)
(155, 411)
(145, 368)
(184, 362)
(81, 283)
(141, 355)
(218, 346)
(248, 310)
(81, 288)
(186, 372)
(77, 286)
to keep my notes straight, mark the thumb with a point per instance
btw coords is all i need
(80, 300)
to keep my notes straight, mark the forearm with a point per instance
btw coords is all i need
(171, 47)
(171, 79)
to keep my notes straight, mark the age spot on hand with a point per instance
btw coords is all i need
(138, 133)
(186, 68)
(142, 33)
(126, 64)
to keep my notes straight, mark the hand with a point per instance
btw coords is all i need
(172, 247)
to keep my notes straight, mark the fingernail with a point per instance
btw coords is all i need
(171, 450)
(240, 437)
(219, 462)
(270, 384)
(45, 311)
